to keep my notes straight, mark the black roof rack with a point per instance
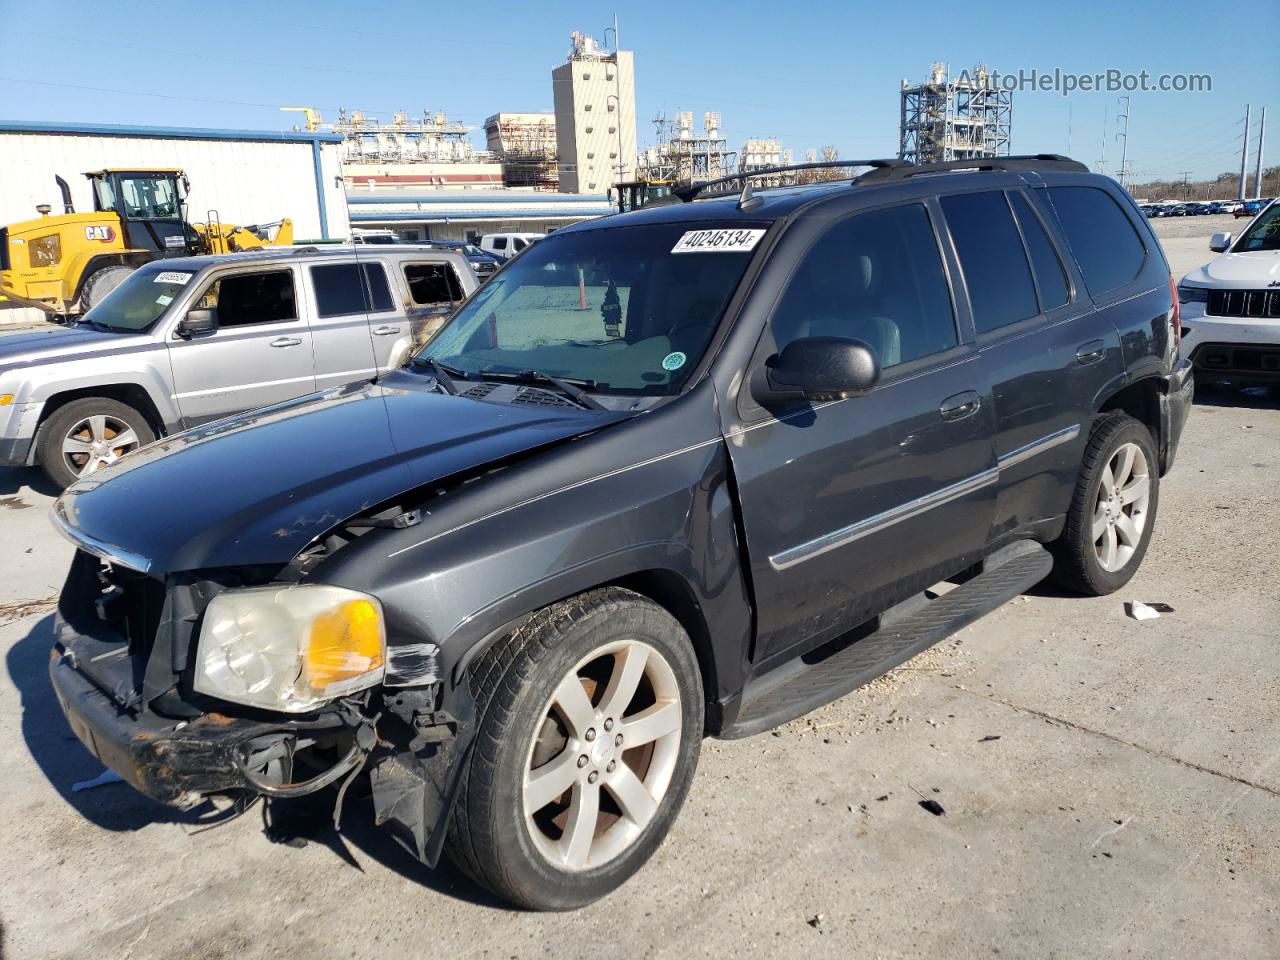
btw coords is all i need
(1029, 161)
(693, 190)
(885, 171)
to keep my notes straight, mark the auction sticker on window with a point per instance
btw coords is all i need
(172, 276)
(718, 241)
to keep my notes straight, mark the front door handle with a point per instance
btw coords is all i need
(1091, 352)
(960, 405)
(286, 342)
(385, 331)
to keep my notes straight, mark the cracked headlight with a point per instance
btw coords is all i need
(290, 647)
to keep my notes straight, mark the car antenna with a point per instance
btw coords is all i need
(748, 200)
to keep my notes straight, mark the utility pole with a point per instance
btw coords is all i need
(1124, 134)
(1244, 151)
(1102, 163)
(1185, 174)
(1257, 171)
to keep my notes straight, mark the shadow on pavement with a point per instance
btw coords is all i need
(17, 479)
(118, 807)
(1265, 397)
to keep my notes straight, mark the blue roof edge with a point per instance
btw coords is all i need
(175, 133)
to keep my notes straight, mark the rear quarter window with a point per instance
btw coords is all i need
(432, 283)
(1102, 239)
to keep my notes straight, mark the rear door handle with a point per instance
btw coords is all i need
(286, 342)
(385, 331)
(961, 405)
(1091, 352)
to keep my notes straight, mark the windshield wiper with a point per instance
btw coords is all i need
(443, 373)
(570, 389)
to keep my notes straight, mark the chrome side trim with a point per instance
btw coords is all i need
(874, 524)
(855, 531)
(99, 548)
(1026, 452)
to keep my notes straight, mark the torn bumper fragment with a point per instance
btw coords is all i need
(173, 761)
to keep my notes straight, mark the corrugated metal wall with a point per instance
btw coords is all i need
(246, 181)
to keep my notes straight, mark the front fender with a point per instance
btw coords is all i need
(651, 509)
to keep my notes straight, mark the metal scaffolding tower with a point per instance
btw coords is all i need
(955, 118)
(433, 139)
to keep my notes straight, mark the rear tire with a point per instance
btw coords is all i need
(87, 434)
(100, 283)
(1113, 510)
(553, 812)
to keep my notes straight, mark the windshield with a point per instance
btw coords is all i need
(471, 250)
(140, 300)
(1264, 234)
(149, 197)
(618, 308)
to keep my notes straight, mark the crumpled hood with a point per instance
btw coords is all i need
(257, 487)
(52, 341)
(1255, 270)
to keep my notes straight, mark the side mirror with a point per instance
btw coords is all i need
(197, 322)
(822, 368)
(1219, 242)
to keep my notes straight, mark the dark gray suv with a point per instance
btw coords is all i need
(684, 471)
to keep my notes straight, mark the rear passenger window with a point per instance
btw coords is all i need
(499, 243)
(432, 283)
(346, 288)
(252, 298)
(1050, 276)
(1102, 238)
(875, 277)
(991, 255)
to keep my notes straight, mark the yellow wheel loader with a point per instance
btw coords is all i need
(65, 264)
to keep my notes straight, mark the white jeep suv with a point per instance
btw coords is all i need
(1231, 305)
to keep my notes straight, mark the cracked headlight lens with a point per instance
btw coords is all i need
(290, 647)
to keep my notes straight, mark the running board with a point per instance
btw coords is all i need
(797, 687)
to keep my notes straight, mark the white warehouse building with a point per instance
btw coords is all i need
(245, 176)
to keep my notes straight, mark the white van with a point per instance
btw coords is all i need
(504, 246)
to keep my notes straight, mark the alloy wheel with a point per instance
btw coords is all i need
(95, 441)
(604, 754)
(1120, 511)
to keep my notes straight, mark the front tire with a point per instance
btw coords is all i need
(590, 724)
(1113, 511)
(87, 434)
(100, 283)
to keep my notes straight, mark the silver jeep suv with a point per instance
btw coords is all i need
(184, 341)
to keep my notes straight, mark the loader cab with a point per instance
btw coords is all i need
(150, 205)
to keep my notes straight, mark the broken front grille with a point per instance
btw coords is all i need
(1244, 303)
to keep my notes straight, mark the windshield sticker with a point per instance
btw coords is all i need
(718, 241)
(164, 300)
(673, 361)
(172, 276)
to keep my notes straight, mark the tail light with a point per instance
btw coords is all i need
(1175, 313)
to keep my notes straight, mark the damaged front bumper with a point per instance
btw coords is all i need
(177, 762)
(412, 743)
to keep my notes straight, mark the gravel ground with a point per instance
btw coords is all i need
(1110, 787)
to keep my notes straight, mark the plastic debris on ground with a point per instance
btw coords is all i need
(1146, 611)
(101, 780)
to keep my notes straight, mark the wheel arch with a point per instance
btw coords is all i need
(132, 394)
(666, 585)
(1144, 400)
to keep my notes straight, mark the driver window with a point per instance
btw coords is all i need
(875, 277)
(246, 298)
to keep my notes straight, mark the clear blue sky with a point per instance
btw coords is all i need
(808, 73)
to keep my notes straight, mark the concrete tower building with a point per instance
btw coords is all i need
(595, 102)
